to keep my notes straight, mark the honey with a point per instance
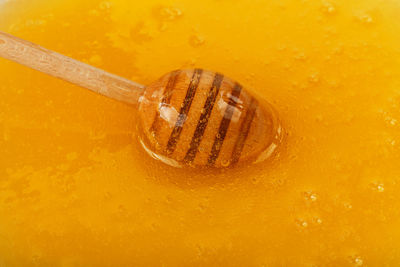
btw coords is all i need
(77, 189)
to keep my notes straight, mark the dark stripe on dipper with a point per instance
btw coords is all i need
(224, 125)
(185, 107)
(244, 131)
(203, 121)
(167, 95)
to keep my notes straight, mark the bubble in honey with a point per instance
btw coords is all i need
(313, 197)
(310, 196)
(318, 220)
(300, 56)
(391, 121)
(105, 5)
(36, 22)
(196, 40)
(358, 261)
(328, 8)
(364, 18)
(302, 223)
(225, 163)
(168, 13)
(380, 188)
(314, 78)
(392, 142)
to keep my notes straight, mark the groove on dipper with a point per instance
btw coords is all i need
(167, 95)
(244, 131)
(204, 117)
(224, 125)
(185, 107)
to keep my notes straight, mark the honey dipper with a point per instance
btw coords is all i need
(187, 117)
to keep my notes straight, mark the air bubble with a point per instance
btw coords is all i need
(225, 163)
(169, 13)
(196, 40)
(391, 121)
(314, 78)
(105, 5)
(358, 261)
(328, 8)
(310, 196)
(300, 56)
(302, 223)
(380, 188)
(365, 19)
(37, 22)
(348, 206)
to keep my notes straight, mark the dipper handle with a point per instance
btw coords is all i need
(68, 69)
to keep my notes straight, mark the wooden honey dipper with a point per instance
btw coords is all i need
(187, 117)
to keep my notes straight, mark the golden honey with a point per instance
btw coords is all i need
(77, 189)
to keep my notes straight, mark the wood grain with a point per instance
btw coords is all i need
(68, 69)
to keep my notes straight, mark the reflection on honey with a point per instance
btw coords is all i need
(76, 189)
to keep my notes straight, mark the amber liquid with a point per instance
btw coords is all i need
(76, 188)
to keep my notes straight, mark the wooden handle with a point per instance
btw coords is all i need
(68, 69)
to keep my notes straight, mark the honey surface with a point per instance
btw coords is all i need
(76, 189)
